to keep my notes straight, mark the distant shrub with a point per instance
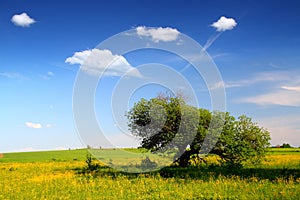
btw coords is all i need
(91, 165)
(148, 164)
(286, 145)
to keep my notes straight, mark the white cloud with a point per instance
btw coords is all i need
(79, 57)
(50, 125)
(60, 148)
(282, 97)
(33, 125)
(291, 88)
(210, 41)
(218, 85)
(158, 34)
(282, 88)
(224, 24)
(50, 73)
(22, 20)
(98, 61)
(47, 76)
(279, 77)
(12, 75)
(222, 85)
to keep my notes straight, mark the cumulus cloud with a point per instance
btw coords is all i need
(158, 34)
(98, 61)
(22, 20)
(33, 125)
(224, 24)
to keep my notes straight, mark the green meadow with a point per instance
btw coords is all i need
(64, 175)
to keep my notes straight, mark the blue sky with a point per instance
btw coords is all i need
(258, 60)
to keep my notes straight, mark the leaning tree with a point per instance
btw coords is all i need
(163, 123)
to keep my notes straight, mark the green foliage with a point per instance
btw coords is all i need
(169, 123)
(147, 164)
(286, 145)
(155, 121)
(242, 141)
(91, 165)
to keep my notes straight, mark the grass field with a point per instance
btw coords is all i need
(45, 156)
(60, 175)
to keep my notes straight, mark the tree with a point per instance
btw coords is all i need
(286, 145)
(169, 123)
(242, 141)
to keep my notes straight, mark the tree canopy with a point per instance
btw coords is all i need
(169, 123)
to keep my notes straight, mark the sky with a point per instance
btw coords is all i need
(50, 54)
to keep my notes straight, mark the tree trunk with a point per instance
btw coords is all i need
(183, 160)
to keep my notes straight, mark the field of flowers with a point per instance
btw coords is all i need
(64, 180)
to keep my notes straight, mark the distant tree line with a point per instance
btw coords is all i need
(284, 145)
